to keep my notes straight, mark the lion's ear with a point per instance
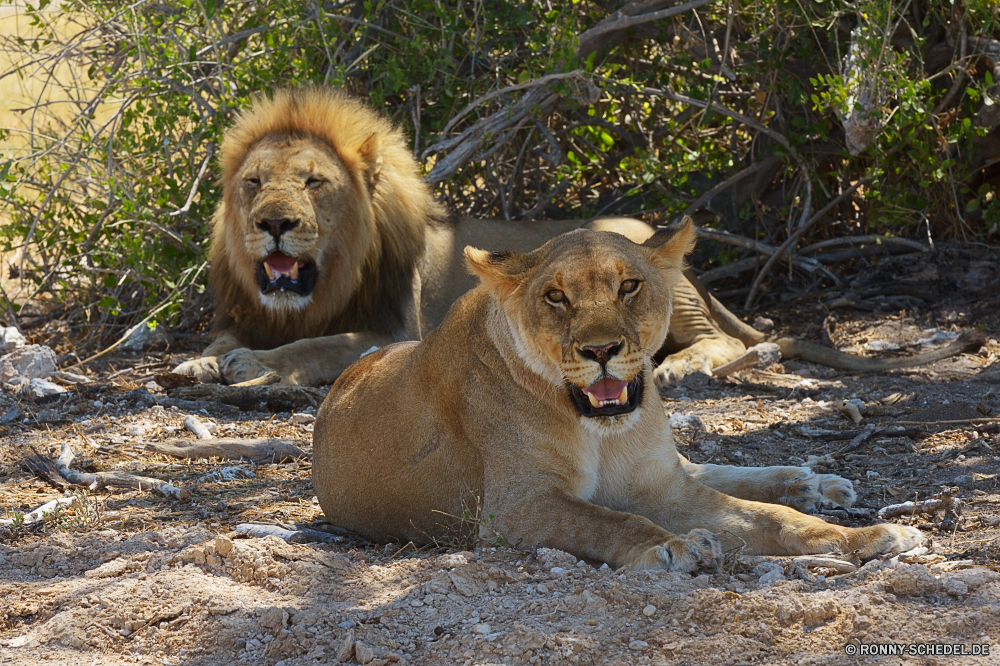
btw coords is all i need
(667, 247)
(371, 155)
(500, 272)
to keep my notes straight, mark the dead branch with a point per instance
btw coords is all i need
(39, 513)
(113, 479)
(765, 354)
(794, 238)
(274, 398)
(950, 505)
(273, 450)
(629, 16)
(299, 535)
(861, 240)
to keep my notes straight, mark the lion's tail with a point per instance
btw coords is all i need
(967, 342)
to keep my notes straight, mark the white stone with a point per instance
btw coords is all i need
(31, 361)
(482, 629)
(638, 645)
(10, 339)
(302, 419)
(41, 388)
(71, 377)
(649, 610)
(542, 588)
(686, 422)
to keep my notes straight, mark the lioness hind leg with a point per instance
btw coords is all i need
(797, 487)
(702, 356)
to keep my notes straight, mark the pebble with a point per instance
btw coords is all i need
(10, 339)
(686, 422)
(872, 474)
(30, 361)
(557, 571)
(649, 610)
(482, 629)
(302, 419)
(347, 624)
(363, 653)
(964, 480)
(542, 588)
(638, 645)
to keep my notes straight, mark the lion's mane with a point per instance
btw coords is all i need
(396, 212)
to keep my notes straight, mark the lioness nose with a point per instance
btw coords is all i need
(600, 353)
(276, 227)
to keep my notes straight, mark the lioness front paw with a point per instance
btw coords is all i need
(697, 550)
(807, 491)
(204, 369)
(242, 365)
(885, 539)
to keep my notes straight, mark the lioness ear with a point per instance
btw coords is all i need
(371, 155)
(500, 272)
(667, 247)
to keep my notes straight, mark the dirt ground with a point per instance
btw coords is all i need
(129, 577)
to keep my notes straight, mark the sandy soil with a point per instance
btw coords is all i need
(127, 577)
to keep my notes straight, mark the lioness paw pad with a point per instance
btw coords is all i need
(204, 369)
(837, 490)
(886, 539)
(697, 550)
(676, 368)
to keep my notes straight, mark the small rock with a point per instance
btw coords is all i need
(31, 361)
(302, 419)
(872, 474)
(347, 624)
(363, 653)
(763, 324)
(769, 572)
(686, 422)
(346, 649)
(649, 610)
(11, 415)
(452, 560)
(41, 388)
(482, 629)
(638, 645)
(557, 571)
(709, 448)
(542, 588)
(955, 587)
(767, 353)
(146, 336)
(223, 545)
(964, 480)
(10, 339)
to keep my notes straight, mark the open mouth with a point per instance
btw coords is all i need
(608, 397)
(280, 272)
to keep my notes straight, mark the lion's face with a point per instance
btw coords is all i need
(588, 310)
(299, 207)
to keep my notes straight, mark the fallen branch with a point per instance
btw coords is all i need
(275, 398)
(272, 450)
(299, 535)
(113, 479)
(765, 354)
(951, 506)
(39, 513)
(192, 423)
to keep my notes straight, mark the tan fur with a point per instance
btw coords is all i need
(389, 263)
(482, 415)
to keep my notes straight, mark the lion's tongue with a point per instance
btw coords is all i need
(606, 389)
(280, 262)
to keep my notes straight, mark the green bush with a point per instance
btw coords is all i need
(110, 185)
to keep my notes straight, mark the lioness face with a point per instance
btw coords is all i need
(589, 315)
(299, 206)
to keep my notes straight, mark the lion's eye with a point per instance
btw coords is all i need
(628, 287)
(314, 183)
(251, 183)
(555, 296)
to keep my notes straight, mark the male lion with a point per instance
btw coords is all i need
(533, 397)
(327, 243)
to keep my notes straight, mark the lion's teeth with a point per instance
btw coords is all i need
(623, 398)
(594, 402)
(269, 271)
(295, 271)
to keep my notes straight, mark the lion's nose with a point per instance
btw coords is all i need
(278, 226)
(600, 353)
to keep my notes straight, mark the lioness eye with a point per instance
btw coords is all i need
(628, 286)
(313, 183)
(555, 296)
(252, 183)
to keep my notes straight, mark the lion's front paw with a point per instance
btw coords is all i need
(205, 369)
(806, 491)
(242, 365)
(885, 539)
(677, 367)
(697, 550)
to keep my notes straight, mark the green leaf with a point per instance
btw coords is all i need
(209, 8)
(972, 206)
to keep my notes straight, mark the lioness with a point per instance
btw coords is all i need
(327, 242)
(534, 396)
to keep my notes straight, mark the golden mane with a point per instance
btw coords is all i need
(391, 198)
